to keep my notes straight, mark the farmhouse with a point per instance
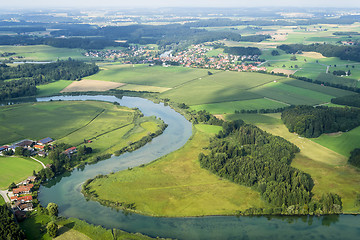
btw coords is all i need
(25, 206)
(70, 151)
(24, 144)
(39, 147)
(45, 141)
(24, 199)
(3, 148)
(23, 189)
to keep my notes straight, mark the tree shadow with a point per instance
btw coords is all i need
(65, 228)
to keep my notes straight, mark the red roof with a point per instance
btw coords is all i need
(25, 198)
(21, 189)
(39, 146)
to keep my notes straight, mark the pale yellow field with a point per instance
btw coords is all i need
(314, 55)
(91, 85)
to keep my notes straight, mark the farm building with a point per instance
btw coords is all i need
(23, 189)
(45, 141)
(24, 144)
(40, 147)
(70, 151)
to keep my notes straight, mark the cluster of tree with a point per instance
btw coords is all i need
(84, 43)
(62, 161)
(22, 29)
(30, 75)
(7, 54)
(354, 158)
(254, 38)
(242, 51)
(350, 100)
(249, 156)
(262, 110)
(308, 121)
(204, 117)
(328, 50)
(345, 33)
(340, 73)
(329, 203)
(9, 229)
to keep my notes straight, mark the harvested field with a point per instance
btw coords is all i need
(284, 71)
(314, 55)
(137, 87)
(91, 85)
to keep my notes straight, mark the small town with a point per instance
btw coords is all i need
(195, 56)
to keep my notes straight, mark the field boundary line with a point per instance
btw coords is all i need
(277, 101)
(198, 78)
(262, 84)
(93, 119)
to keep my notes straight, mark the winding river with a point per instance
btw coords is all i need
(65, 191)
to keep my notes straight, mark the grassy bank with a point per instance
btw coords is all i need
(176, 185)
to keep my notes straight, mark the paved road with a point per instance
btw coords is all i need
(4, 195)
(39, 162)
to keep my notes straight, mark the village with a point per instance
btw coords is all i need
(195, 57)
(23, 194)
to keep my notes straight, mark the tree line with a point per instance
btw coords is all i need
(308, 121)
(248, 156)
(9, 229)
(354, 158)
(328, 50)
(28, 76)
(351, 100)
(242, 51)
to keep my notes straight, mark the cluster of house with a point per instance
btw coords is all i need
(195, 57)
(131, 52)
(35, 147)
(21, 198)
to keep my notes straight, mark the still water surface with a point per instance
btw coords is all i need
(65, 191)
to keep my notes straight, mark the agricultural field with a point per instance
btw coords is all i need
(91, 85)
(328, 168)
(176, 185)
(52, 88)
(43, 53)
(16, 169)
(231, 107)
(157, 76)
(110, 127)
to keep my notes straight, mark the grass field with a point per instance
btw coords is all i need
(342, 143)
(43, 52)
(137, 87)
(16, 169)
(52, 88)
(2, 201)
(176, 185)
(327, 168)
(110, 127)
(220, 87)
(157, 76)
(291, 95)
(230, 107)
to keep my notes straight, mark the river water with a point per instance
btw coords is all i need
(65, 191)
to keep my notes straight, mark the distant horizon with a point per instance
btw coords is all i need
(138, 4)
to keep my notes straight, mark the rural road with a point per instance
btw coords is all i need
(4, 195)
(39, 162)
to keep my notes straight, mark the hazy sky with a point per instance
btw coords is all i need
(177, 3)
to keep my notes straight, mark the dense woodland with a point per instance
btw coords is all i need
(249, 156)
(351, 100)
(328, 50)
(27, 76)
(9, 229)
(308, 121)
(354, 158)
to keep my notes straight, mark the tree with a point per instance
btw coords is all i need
(52, 209)
(12, 186)
(52, 229)
(293, 58)
(275, 53)
(19, 151)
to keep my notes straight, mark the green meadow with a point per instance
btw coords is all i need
(175, 185)
(43, 52)
(231, 107)
(52, 88)
(16, 169)
(157, 76)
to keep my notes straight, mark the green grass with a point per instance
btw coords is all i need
(52, 88)
(330, 78)
(2, 201)
(158, 76)
(254, 118)
(16, 169)
(230, 107)
(43, 52)
(137, 87)
(342, 143)
(291, 94)
(176, 185)
(34, 226)
(220, 87)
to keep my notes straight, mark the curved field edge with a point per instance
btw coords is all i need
(174, 185)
